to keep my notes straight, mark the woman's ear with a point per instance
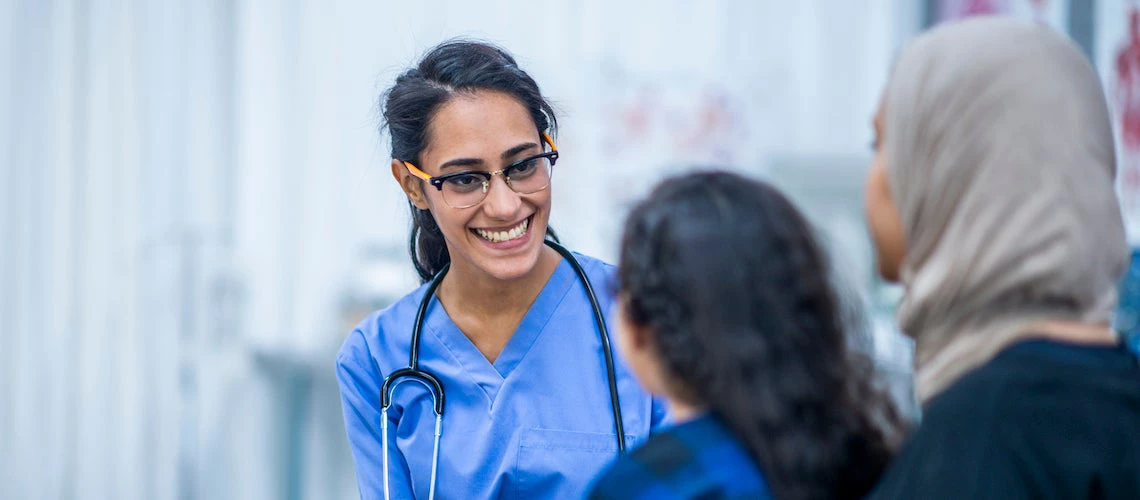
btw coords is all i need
(412, 186)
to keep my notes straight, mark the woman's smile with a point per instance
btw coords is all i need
(505, 237)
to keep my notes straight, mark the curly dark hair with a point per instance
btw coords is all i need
(728, 277)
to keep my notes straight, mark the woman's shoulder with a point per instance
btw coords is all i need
(591, 262)
(601, 272)
(385, 331)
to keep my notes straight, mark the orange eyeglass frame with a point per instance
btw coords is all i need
(424, 175)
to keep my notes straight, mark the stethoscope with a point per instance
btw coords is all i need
(413, 372)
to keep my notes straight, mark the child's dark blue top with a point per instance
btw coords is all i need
(697, 459)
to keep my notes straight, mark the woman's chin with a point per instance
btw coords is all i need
(518, 264)
(511, 271)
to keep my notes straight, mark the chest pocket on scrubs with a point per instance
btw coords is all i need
(562, 464)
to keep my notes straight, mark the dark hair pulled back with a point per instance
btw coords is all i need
(452, 67)
(729, 278)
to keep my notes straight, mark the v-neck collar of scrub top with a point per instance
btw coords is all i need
(490, 377)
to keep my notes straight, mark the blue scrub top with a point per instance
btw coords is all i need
(535, 424)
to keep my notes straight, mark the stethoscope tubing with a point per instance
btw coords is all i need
(435, 387)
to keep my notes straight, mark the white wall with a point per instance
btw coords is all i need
(194, 202)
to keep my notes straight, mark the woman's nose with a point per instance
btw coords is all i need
(502, 202)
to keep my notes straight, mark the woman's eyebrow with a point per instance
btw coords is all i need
(461, 162)
(518, 149)
(468, 162)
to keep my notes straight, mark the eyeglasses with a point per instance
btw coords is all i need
(467, 189)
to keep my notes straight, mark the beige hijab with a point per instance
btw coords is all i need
(1000, 158)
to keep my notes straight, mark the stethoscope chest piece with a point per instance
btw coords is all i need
(412, 372)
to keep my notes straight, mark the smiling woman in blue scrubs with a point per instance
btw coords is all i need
(510, 332)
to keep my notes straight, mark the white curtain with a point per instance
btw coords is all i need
(195, 204)
(117, 136)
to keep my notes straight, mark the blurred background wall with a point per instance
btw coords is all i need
(196, 205)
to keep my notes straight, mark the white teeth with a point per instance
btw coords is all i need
(500, 236)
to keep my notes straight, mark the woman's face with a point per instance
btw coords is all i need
(483, 130)
(882, 214)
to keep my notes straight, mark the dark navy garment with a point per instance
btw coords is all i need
(1041, 420)
(697, 459)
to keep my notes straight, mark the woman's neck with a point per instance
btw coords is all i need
(1073, 332)
(473, 291)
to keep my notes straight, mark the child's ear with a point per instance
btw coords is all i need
(639, 336)
(412, 185)
(636, 342)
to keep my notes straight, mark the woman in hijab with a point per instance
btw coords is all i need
(991, 199)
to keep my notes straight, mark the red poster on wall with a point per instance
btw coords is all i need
(1050, 12)
(1118, 59)
(1125, 101)
(949, 10)
(1127, 83)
